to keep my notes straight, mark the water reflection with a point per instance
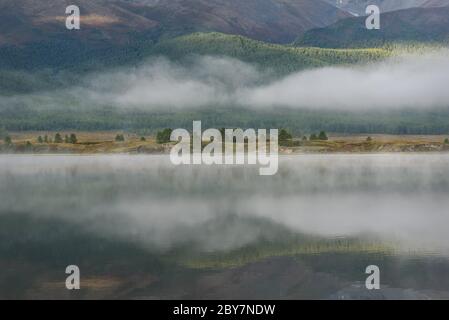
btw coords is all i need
(321, 216)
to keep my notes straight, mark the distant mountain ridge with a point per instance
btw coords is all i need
(115, 32)
(429, 24)
(277, 21)
(358, 7)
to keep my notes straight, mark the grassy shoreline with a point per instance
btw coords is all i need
(104, 143)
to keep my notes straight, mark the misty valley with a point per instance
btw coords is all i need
(184, 150)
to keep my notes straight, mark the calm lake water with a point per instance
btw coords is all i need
(139, 227)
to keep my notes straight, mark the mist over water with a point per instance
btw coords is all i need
(146, 201)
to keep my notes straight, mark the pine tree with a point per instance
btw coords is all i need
(73, 138)
(163, 136)
(58, 138)
(323, 136)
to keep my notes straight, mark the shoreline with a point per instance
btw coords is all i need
(92, 143)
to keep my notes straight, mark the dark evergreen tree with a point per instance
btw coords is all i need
(323, 136)
(73, 138)
(284, 136)
(163, 136)
(58, 138)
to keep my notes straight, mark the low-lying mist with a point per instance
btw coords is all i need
(146, 201)
(409, 81)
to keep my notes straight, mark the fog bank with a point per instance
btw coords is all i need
(404, 82)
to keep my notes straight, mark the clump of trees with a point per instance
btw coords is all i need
(163, 136)
(321, 136)
(119, 138)
(58, 138)
(285, 138)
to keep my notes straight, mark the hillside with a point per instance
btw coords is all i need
(114, 33)
(282, 58)
(277, 21)
(427, 25)
(25, 22)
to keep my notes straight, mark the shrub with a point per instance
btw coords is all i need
(119, 138)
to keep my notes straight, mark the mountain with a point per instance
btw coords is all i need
(33, 33)
(118, 21)
(430, 25)
(277, 21)
(358, 7)
(436, 3)
(25, 21)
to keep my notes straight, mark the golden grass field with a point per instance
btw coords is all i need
(104, 142)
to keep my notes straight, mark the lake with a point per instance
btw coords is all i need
(140, 228)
